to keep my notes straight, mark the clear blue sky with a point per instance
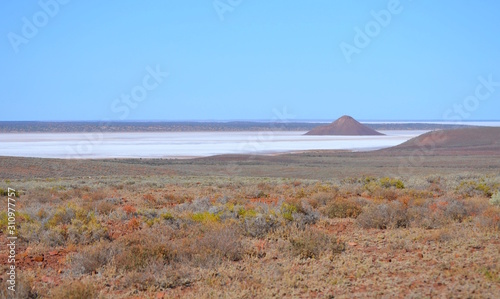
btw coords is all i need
(264, 56)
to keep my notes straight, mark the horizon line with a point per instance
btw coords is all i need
(247, 120)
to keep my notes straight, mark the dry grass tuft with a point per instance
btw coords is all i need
(342, 208)
(75, 290)
(312, 243)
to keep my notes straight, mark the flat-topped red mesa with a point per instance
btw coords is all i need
(345, 125)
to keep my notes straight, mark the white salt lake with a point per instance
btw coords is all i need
(184, 144)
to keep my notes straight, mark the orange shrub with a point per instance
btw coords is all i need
(149, 198)
(491, 218)
(133, 223)
(129, 209)
(98, 195)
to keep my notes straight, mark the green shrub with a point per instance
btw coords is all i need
(205, 217)
(4, 221)
(383, 188)
(495, 199)
(152, 221)
(245, 213)
(360, 180)
(75, 225)
(87, 231)
(19, 217)
(167, 216)
(6, 192)
(64, 215)
(31, 231)
(287, 211)
(389, 182)
(473, 188)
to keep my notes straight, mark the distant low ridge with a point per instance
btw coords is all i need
(191, 126)
(475, 140)
(345, 125)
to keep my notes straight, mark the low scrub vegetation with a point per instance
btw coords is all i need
(171, 237)
(495, 199)
(314, 243)
(342, 208)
